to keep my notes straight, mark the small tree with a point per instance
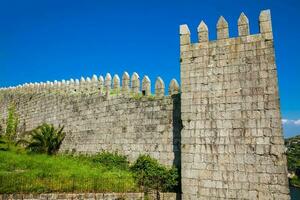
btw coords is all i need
(11, 123)
(152, 175)
(45, 139)
(8, 133)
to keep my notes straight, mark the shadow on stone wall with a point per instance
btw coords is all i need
(177, 126)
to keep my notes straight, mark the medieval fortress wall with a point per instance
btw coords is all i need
(100, 115)
(223, 128)
(232, 142)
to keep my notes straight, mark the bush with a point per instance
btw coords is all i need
(12, 122)
(44, 139)
(9, 133)
(111, 160)
(152, 175)
(3, 143)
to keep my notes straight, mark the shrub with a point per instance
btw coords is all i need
(3, 143)
(111, 160)
(45, 139)
(152, 175)
(11, 123)
(8, 134)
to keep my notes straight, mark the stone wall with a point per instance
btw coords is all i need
(122, 120)
(88, 196)
(231, 145)
(232, 142)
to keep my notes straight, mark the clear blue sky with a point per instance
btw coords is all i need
(44, 40)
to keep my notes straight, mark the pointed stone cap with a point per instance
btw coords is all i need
(100, 83)
(184, 35)
(265, 24)
(243, 19)
(94, 79)
(265, 15)
(222, 28)
(222, 23)
(108, 80)
(116, 82)
(125, 76)
(125, 82)
(101, 79)
(173, 87)
(202, 27)
(243, 25)
(88, 79)
(202, 32)
(159, 87)
(184, 29)
(135, 83)
(146, 86)
(107, 84)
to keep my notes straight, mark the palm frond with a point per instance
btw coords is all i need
(46, 139)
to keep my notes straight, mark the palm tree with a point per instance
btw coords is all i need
(45, 139)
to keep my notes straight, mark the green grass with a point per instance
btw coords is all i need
(23, 172)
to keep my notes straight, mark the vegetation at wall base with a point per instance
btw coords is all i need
(295, 181)
(9, 132)
(151, 175)
(12, 122)
(30, 165)
(111, 160)
(25, 172)
(293, 157)
(44, 139)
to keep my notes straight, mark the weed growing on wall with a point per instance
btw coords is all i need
(12, 122)
(2, 131)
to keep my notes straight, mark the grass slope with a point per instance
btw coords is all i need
(23, 172)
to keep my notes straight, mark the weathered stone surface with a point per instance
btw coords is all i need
(173, 87)
(86, 196)
(231, 118)
(222, 28)
(202, 32)
(135, 83)
(159, 87)
(146, 86)
(116, 82)
(125, 82)
(265, 24)
(184, 35)
(123, 123)
(107, 84)
(243, 25)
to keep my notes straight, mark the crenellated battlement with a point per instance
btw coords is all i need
(99, 86)
(222, 30)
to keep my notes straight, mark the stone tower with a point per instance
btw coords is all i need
(232, 144)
